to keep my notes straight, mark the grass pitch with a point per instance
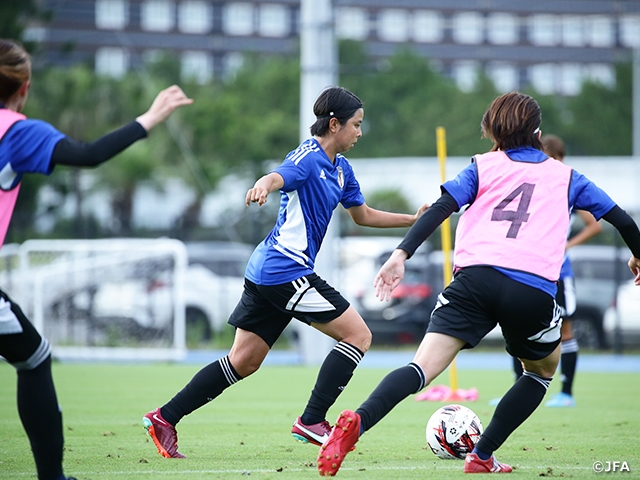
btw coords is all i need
(246, 431)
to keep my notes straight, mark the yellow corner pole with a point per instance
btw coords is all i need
(445, 231)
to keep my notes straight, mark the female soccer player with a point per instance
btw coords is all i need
(34, 146)
(509, 248)
(280, 283)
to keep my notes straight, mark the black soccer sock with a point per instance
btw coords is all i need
(41, 418)
(393, 388)
(335, 373)
(206, 385)
(568, 362)
(517, 368)
(515, 407)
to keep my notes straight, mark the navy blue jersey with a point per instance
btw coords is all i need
(583, 195)
(313, 188)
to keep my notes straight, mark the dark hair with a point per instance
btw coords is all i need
(511, 121)
(15, 68)
(553, 146)
(333, 102)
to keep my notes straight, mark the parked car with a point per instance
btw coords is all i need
(212, 286)
(598, 270)
(405, 317)
(621, 320)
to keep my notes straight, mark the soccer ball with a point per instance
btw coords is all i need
(452, 431)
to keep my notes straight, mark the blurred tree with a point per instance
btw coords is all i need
(14, 16)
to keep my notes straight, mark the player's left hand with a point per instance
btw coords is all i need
(634, 265)
(390, 275)
(420, 211)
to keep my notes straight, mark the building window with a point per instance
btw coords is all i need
(543, 78)
(197, 66)
(465, 73)
(111, 14)
(502, 28)
(195, 17)
(468, 28)
(237, 18)
(274, 21)
(428, 26)
(544, 30)
(504, 76)
(233, 62)
(572, 31)
(112, 62)
(393, 25)
(352, 23)
(601, 32)
(602, 73)
(571, 78)
(630, 31)
(157, 15)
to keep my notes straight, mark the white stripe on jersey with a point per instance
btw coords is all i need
(302, 151)
(292, 235)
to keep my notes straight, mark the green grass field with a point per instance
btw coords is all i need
(246, 431)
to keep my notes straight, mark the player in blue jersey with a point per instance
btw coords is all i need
(509, 248)
(280, 282)
(34, 146)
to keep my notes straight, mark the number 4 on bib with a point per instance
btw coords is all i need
(516, 217)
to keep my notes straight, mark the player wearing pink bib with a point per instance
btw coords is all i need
(34, 146)
(509, 250)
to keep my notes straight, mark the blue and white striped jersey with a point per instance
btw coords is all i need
(313, 187)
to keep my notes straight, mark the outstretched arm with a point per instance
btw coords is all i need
(263, 187)
(366, 216)
(630, 234)
(80, 154)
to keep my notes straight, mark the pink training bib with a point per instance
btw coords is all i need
(520, 217)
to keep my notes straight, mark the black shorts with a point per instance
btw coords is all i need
(266, 310)
(20, 343)
(566, 297)
(479, 298)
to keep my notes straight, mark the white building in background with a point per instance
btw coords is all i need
(550, 44)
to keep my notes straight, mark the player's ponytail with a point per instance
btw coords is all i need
(15, 68)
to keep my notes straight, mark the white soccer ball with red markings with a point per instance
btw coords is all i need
(452, 431)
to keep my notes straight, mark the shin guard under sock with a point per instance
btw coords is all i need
(41, 418)
(335, 373)
(515, 407)
(206, 385)
(393, 388)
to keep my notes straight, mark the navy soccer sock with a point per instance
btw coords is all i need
(41, 418)
(206, 385)
(393, 388)
(335, 373)
(515, 407)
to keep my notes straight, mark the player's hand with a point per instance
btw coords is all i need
(634, 265)
(257, 195)
(390, 275)
(420, 211)
(165, 103)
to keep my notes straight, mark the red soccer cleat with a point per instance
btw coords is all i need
(342, 440)
(316, 434)
(473, 464)
(163, 434)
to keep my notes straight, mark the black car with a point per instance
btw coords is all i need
(405, 317)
